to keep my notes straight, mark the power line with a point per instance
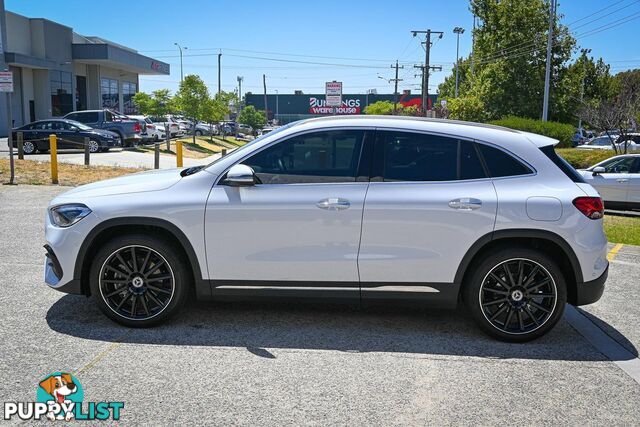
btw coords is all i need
(595, 13)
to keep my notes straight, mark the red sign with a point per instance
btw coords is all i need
(348, 106)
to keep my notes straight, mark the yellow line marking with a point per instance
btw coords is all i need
(612, 253)
(101, 355)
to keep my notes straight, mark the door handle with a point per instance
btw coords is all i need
(465, 204)
(622, 180)
(333, 204)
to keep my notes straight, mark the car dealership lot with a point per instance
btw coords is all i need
(309, 364)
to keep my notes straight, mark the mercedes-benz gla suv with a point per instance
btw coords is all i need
(361, 209)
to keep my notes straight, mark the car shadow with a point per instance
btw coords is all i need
(262, 326)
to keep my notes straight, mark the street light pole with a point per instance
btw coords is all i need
(458, 31)
(547, 71)
(584, 53)
(180, 49)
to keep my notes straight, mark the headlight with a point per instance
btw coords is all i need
(67, 215)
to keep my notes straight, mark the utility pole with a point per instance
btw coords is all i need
(473, 43)
(547, 72)
(395, 88)
(240, 78)
(219, 85)
(584, 53)
(266, 110)
(458, 31)
(427, 68)
(180, 49)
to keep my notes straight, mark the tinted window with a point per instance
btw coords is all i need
(421, 157)
(619, 165)
(564, 166)
(330, 156)
(500, 163)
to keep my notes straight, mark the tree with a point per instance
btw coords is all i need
(469, 108)
(251, 117)
(217, 107)
(193, 100)
(510, 56)
(156, 104)
(380, 108)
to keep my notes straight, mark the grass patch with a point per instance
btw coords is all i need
(582, 159)
(621, 229)
(34, 172)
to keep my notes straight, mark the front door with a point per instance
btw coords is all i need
(429, 200)
(613, 183)
(298, 231)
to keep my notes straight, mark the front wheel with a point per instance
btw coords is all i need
(198, 133)
(139, 280)
(515, 294)
(94, 147)
(29, 147)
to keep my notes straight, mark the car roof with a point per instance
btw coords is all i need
(470, 130)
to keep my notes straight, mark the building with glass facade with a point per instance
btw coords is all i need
(56, 70)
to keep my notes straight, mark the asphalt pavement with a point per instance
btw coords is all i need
(313, 364)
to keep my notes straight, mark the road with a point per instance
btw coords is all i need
(115, 157)
(316, 364)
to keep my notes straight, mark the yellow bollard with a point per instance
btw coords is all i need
(179, 154)
(53, 146)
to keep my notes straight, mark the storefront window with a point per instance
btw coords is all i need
(81, 93)
(109, 93)
(128, 90)
(61, 93)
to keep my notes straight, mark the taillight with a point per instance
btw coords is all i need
(136, 127)
(151, 126)
(591, 207)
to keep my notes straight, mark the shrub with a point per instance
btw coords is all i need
(469, 108)
(582, 159)
(560, 131)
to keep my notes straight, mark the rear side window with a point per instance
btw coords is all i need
(422, 157)
(564, 166)
(502, 164)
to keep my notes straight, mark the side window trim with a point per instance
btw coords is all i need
(366, 129)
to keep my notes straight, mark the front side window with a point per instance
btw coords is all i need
(318, 157)
(423, 157)
(620, 165)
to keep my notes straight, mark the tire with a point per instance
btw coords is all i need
(94, 146)
(29, 147)
(511, 307)
(198, 133)
(155, 137)
(151, 291)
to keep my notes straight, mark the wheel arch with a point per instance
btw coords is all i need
(548, 241)
(119, 226)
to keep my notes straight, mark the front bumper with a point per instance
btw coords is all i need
(53, 273)
(115, 142)
(590, 292)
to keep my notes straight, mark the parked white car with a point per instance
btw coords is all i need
(153, 132)
(174, 128)
(597, 143)
(617, 179)
(355, 209)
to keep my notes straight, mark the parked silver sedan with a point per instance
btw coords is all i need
(617, 179)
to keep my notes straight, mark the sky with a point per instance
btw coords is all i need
(302, 44)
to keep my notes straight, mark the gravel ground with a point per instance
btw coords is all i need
(316, 364)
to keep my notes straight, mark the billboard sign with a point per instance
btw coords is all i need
(346, 106)
(333, 94)
(6, 81)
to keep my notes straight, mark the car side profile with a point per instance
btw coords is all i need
(617, 179)
(358, 209)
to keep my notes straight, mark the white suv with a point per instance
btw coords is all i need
(347, 208)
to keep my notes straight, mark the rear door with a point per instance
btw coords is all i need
(428, 201)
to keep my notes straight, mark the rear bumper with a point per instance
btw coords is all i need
(590, 292)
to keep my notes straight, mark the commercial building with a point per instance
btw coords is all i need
(289, 108)
(56, 70)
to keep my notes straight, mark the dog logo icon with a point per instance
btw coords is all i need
(61, 391)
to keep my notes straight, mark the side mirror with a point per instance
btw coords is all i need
(240, 175)
(597, 170)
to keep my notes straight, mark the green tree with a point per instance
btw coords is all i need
(192, 99)
(380, 108)
(218, 107)
(158, 103)
(469, 108)
(251, 117)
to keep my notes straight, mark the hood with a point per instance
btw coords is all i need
(153, 180)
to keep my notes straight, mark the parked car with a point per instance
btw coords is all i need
(630, 141)
(244, 129)
(128, 130)
(597, 143)
(152, 132)
(358, 209)
(174, 128)
(70, 134)
(205, 129)
(617, 179)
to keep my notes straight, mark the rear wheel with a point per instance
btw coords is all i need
(139, 280)
(94, 147)
(29, 147)
(198, 133)
(516, 294)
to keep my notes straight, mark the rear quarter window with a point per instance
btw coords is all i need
(562, 164)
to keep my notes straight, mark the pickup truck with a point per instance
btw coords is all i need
(128, 129)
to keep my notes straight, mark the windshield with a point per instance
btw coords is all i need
(79, 125)
(603, 140)
(258, 139)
